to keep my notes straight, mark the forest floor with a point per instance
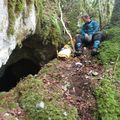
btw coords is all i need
(80, 75)
(64, 85)
(83, 73)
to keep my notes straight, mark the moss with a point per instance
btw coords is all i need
(11, 12)
(29, 2)
(110, 51)
(14, 8)
(17, 6)
(108, 107)
(110, 48)
(32, 91)
(39, 7)
(51, 110)
(20, 4)
(51, 32)
(108, 90)
(5, 102)
(48, 27)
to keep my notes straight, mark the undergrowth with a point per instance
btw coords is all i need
(32, 91)
(110, 48)
(48, 25)
(108, 106)
(107, 93)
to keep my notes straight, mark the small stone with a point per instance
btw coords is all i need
(78, 64)
(19, 113)
(49, 118)
(35, 75)
(84, 48)
(94, 73)
(112, 63)
(65, 114)
(40, 105)
(6, 114)
(87, 77)
(90, 73)
(16, 119)
(64, 88)
(86, 83)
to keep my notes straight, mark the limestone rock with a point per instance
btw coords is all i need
(24, 26)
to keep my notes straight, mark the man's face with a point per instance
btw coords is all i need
(86, 19)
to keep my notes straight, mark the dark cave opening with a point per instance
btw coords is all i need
(17, 71)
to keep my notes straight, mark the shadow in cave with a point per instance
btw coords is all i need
(16, 71)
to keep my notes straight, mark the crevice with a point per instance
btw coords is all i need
(25, 60)
(17, 71)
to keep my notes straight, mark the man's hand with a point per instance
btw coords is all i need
(88, 37)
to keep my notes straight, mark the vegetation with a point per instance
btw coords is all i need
(31, 92)
(48, 26)
(107, 92)
(11, 12)
(110, 48)
(108, 106)
(115, 20)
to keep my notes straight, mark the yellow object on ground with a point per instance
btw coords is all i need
(65, 52)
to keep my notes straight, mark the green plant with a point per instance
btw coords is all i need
(17, 6)
(108, 91)
(31, 92)
(108, 107)
(11, 12)
(110, 48)
(14, 8)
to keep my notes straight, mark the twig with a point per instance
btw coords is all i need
(71, 39)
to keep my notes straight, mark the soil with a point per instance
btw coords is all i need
(83, 73)
(77, 77)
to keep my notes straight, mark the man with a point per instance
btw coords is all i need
(90, 33)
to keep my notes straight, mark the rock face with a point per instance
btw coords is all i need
(24, 26)
(28, 32)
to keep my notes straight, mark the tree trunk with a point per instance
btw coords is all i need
(115, 20)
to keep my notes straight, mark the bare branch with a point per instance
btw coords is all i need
(67, 31)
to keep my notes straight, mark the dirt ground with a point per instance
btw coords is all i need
(78, 77)
(83, 73)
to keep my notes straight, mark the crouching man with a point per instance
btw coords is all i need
(89, 34)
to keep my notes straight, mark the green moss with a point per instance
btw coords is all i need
(5, 102)
(32, 91)
(110, 51)
(108, 107)
(29, 2)
(51, 110)
(17, 6)
(11, 12)
(39, 7)
(110, 48)
(14, 8)
(48, 27)
(20, 4)
(51, 32)
(108, 91)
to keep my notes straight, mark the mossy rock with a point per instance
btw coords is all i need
(108, 106)
(31, 92)
(107, 91)
(110, 49)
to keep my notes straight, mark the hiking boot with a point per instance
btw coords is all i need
(78, 52)
(94, 52)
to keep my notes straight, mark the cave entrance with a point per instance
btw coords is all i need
(17, 71)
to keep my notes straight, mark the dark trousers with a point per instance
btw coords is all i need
(96, 40)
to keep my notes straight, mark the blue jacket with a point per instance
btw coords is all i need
(90, 28)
